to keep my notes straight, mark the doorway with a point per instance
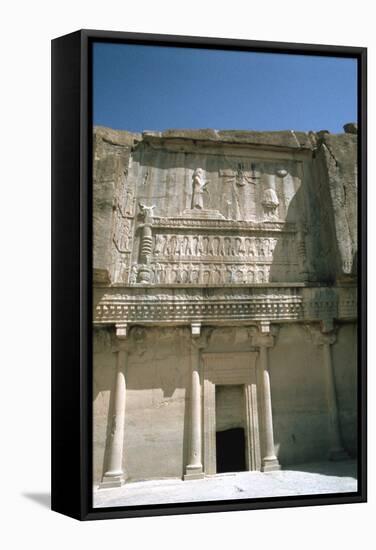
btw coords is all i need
(230, 447)
(230, 435)
(230, 402)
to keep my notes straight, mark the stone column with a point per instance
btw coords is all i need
(194, 468)
(264, 340)
(145, 272)
(336, 450)
(114, 475)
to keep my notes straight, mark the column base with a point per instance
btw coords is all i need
(193, 472)
(270, 464)
(112, 480)
(336, 455)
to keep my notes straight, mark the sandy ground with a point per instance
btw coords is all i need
(304, 479)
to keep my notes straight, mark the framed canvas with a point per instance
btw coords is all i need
(209, 274)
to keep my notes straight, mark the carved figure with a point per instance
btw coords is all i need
(189, 247)
(223, 273)
(129, 202)
(194, 275)
(250, 276)
(239, 248)
(270, 203)
(147, 212)
(179, 245)
(173, 245)
(133, 274)
(195, 246)
(215, 246)
(204, 245)
(227, 246)
(199, 188)
(160, 241)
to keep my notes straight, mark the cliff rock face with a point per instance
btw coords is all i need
(336, 177)
(111, 156)
(283, 204)
(227, 254)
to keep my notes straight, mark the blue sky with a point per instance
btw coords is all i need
(140, 88)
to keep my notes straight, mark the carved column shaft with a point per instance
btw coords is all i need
(264, 341)
(146, 242)
(269, 460)
(115, 475)
(194, 468)
(196, 415)
(337, 451)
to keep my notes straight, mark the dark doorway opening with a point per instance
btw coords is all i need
(230, 450)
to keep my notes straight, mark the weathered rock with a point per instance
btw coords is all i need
(351, 128)
(287, 138)
(337, 172)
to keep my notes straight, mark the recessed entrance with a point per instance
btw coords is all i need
(230, 436)
(230, 450)
(230, 403)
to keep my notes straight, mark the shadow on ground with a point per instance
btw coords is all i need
(345, 468)
(43, 499)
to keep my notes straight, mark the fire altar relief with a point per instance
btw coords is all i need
(205, 246)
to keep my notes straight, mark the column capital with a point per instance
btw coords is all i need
(195, 330)
(321, 337)
(122, 340)
(121, 331)
(200, 338)
(263, 335)
(263, 340)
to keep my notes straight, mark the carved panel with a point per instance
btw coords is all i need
(123, 230)
(215, 259)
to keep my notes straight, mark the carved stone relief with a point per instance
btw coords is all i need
(270, 204)
(123, 228)
(213, 259)
(217, 247)
(219, 195)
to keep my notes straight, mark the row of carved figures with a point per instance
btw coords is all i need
(188, 245)
(159, 273)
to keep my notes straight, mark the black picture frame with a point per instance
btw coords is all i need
(72, 274)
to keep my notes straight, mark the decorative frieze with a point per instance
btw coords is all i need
(191, 247)
(204, 273)
(321, 303)
(348, 303)
(147, 305)
(213, 259)
(208, 224)
(252, 308)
